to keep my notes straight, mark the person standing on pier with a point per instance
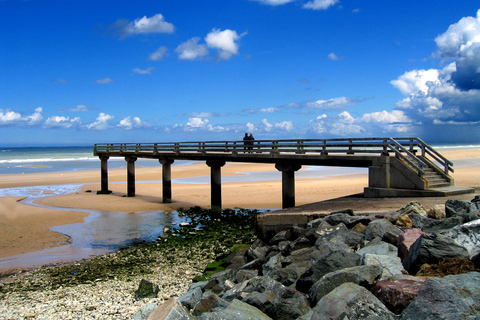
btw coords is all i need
(246, 142)
(250, 143)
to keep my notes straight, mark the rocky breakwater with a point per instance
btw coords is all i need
(346, 266)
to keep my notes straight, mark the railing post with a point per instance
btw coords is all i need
(350, 147)
(324, 148)
(177, 148)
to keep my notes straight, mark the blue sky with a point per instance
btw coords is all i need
(80, 72)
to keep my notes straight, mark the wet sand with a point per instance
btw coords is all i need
(27, 229)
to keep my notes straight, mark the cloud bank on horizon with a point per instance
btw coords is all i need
(441, 103)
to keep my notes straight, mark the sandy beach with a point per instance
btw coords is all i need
(26, 229)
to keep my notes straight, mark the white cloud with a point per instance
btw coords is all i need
(61, 122)
(199, 124)
(81, 107)
(159, 54)
(101, 123)
(415, 80)
(154, 24)
(274, 2)
(320, 4)
(262, 110)
(128, 123)
(13, 118)
(143, 71)
(284, 125)
(9, 117)
(104, 81)
(333, 56)
(224, 41)
(191, 50)
(250, 126)
(331, 104)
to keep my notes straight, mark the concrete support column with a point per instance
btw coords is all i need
(166, 180)
(216, 183)
(288, 183)
(104, 175)
(130, 176)
(379, 173)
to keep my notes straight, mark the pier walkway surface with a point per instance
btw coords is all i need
(397, 167)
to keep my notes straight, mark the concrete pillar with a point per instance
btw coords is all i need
(288, 183)
(130, 176)
(216, 183)
(166, 180)
(104, 175)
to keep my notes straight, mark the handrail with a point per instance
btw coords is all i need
(403, 148)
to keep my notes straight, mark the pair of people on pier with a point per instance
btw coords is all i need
(248, 142)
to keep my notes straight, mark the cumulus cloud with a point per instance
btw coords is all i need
(201, 124)
(204, 114)
(320, 4)
(143, 71)
(13, 118)
(344, 124)
(101, 123)
(159, 54)
(449, 95)
(128, 123)
(191, 50)
(225, 42)
(156, 24)
(61, 122)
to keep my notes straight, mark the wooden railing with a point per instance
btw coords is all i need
(407, 149)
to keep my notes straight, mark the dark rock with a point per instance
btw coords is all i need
(332, 262)
(279, 237)
(361, 275)
(285, 247)
(348, 220)
(300, 243)
(272, 251)
(237, 310)
(243, 275)
(236, 259)
(257, 250)
(405, 241)
(294, 232)
(419, 221)
(457, 207)
(287, 270)
(437, 225)
(271, 297)
(252, 265)
(216, 284)
(396, 294)
(378, 228)
(341, 234)
(146, 289)
(432, 248)
(350, 301)
(391, 237)
(191, 298)
(209, 303)
(450, 297)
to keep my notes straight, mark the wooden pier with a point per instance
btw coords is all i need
(397, 167)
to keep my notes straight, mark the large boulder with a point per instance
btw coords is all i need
(397, 292)
(237, 310)
(437, 212)
(432, 248)
(348, 220)
(146, 289)
(405, 241)
(378, 228)
(383, 255)
(257, 250)
(271, 297)
(287, 269)
(450, 297)
(413, 207)
(335, 261)
(466, 235)
(170, 309)
(361, 275)
(350, 301)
